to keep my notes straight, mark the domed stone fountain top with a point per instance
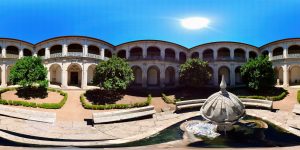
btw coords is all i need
(223, 108)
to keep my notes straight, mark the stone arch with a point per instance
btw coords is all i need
(238, 76)
(27, 52)
(138, 75)
(265, 53)
(252, 54)
(122, 53)
(41, 52)
(224, 70)
(170, 76)
(182, 57)
(294, 49)
(12, 52)
(294, 75)
(153, 52)
(279, 75)
(136, 53)
(169, 54)
(107, 53)
(55, 74)
(55, 49)
(208, 55)
(195, 55)
(76, 48)
(153, 76)
(239, 54)
(74, 74)
(91, 73)
(92, 49)
(277, 51)
(223, 53)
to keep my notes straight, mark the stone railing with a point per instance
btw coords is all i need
(208, 59)
(224, 58)
(153, 58)
(277, 57)
(94, 56)
(135, 58)
(75, 54)
(55, 55)
(293, 55)
(242, 59)
(170, 59)
(12, 56)
(42, 57)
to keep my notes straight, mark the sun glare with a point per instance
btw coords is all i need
(194, 23)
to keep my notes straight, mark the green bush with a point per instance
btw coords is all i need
(271, 98)
(298, 96)
(87, 105)
(167, 99)
(34, 104)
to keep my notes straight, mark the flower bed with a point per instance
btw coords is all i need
(34, 104)
(87, 105)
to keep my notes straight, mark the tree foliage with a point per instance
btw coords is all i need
(258, 73)
(29, 72)
(114, 74)
(194, 73)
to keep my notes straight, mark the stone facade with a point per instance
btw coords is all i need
(71, 60)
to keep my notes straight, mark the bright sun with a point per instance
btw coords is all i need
(194, 23)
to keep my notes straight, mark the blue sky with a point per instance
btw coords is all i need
(255, 22)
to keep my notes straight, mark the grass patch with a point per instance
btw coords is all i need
(34, 104)
(87, 105)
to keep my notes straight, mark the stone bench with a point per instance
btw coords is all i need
(189, 104)
(296, 109)
(48, 117)
(258, 103)
(120, 115)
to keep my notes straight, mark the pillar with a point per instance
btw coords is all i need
(144, 77)
(247, 55)
(3, 52)
(127, 54)
(102, 53)
(215, 75)
(65, 50)
(48, 75)
(64, 79)
(285, 51)
(177, 55)
(231, 54)
(270, 55)
(3, 75)
(215, 53)
(162, 54)
(232, 75)
(84, 77)
(162, 77)
(144, 52)
(285, 75)
(21, 51)
(47, 53)
(85, 50)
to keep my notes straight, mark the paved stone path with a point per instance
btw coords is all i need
(288, 102)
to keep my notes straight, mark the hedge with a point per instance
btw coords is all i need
(298, 96)
(87, 105)
(34, 104)
(167, 99)
(271, 98)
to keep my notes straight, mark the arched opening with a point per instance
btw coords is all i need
(153, 76)
(122, 54)
(239, 54)
(223, 53)
(195, 55)
(169, 54)
(294, 49)
(208, 55)
(7, 74)
(41, 53)
(252, 54)
(295, 75)
(279, 75)
(153, 52)
(75, 50)
(56, 51)
(182, 57)
(74, 75)
(55, 74)
(107, 53)
(226, 72)
(137, 72)
(27, 52)
(93, 50)
(278, 51)
(170, 76)
(136, 53)
(265, 53)
(90, 74)
(238, 76)
(211, 71)
(12, 52)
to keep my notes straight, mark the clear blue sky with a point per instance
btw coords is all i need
(255, 22)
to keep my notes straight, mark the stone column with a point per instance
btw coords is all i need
(285, 51)
(215, 53)
(3, 75)
(162, 77)
(270, 55)
(21, 51)
(84, 77)
(144, 77)
(127, 53)
(232, 75)
(102, 53)
(177, 55)
(232, 54)
(162, 54)
(215, 75)
(47, 52)
(285, 75)
(48, 74)
(200, 55)
(65, 50)
(247, 55)
(85, 50)
(64, 79)
(144, 52)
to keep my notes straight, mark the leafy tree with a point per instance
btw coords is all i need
(114, 74)
(258, 73)
(194, 73)
(29, 72)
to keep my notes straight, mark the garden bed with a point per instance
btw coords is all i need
(48, 99)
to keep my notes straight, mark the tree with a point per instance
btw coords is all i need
(114, 74)
(258, 73)
(29, 72)
(194, 73)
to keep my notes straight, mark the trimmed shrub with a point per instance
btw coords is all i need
(298, 96)
(271, 98)
(167, 99)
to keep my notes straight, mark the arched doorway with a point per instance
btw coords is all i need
(90, 74)
(170, 76)
(226, 72)
(238, 76)
(279, 75)
(153, 75)
(12, 52)
(169, 54)
(74, 75)
(136, 53)
(55, 74)
(223, 53)
(239, 54)
(153, 52)
(208, 55)
(137, 72)
(295, 75)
